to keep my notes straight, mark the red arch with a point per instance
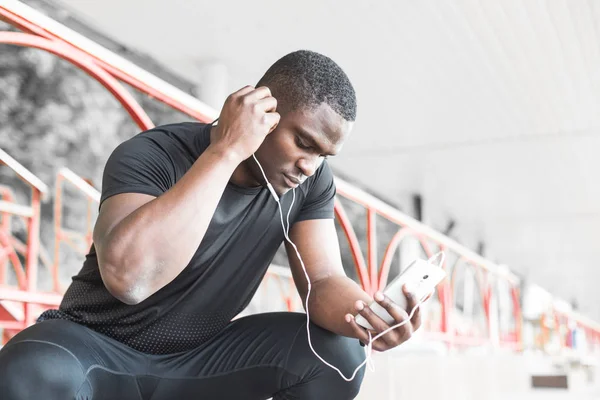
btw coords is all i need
(384, 270)
(357, 255)
(83, 61)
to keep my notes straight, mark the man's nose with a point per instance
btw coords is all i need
(308, 165)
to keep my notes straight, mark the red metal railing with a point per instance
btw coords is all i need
(373, 276)
(29, 20)
(17, 316)
(77, 241)
(8, 252)
(44, 33)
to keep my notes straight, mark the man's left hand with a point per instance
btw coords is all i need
(396, 336)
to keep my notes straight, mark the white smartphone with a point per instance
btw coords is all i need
(420, 277)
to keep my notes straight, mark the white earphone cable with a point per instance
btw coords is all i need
(369, 346)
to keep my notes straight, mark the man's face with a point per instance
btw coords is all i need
(298, 146)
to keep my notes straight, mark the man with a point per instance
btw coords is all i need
(185, 233)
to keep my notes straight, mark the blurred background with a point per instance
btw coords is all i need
(477, 133)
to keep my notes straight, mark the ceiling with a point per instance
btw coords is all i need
(488, 109)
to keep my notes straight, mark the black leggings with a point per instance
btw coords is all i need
(255, 357)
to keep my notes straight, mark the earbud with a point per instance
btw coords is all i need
(273, 192)
(269, 186)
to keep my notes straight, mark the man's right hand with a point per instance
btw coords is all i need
(246, 119)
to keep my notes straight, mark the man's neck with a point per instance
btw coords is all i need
(242, 176)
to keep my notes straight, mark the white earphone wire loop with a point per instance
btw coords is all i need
(369, 346)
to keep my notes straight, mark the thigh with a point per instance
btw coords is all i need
(244, 361)
(79, 362)
(256, 357)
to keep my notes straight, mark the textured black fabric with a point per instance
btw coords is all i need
(220, 280)
(255, 357)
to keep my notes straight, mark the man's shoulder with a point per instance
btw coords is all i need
(175, 130)
(190, 137)
(323, 175)
(321, 181)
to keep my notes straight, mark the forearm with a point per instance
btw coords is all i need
(331, 299)
(153, 244)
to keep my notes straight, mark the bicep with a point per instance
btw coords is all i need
(318, 245)
(137, 171)
(114, 210)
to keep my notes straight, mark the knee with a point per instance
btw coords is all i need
(344, 353)
(34, 369)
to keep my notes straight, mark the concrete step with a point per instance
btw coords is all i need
(405, 375)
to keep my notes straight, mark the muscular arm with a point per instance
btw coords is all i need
(333, 294)
(143, 242)
(334, 298)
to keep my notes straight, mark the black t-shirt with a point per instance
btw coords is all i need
(224, 273)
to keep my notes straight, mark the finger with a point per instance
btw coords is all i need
(402, 332)
(363, 336)
(379, 325)
(376, 322)
(378, 345)
(411, 302)
(258, 93)
(416, 319)
(271, 120)
(358, 330)
(245, 90)
(392, 308)
(267, 104)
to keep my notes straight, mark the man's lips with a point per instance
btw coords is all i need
(292, 181)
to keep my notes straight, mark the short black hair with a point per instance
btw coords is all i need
(307, 79)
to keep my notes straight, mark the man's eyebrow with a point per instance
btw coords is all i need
(302, 132)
